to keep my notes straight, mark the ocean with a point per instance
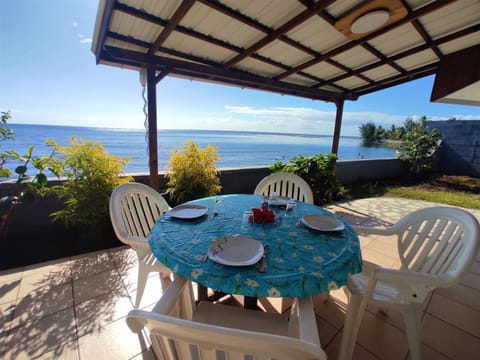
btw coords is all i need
(236, 149)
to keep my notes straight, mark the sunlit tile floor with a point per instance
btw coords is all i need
(75, 308)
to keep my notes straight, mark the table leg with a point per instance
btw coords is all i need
(202, 293)
(250, 303)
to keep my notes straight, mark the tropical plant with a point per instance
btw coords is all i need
(25, 185)
(90, 174)
(419, 145)
(192, 172)
(317, 171)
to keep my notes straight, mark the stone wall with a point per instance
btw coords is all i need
(460, 150)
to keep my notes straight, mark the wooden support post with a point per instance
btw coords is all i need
(336, 131)
(152, 127)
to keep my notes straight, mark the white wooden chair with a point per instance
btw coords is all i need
(287, 185)
(436, 248)
(181, 330)
(134, 208)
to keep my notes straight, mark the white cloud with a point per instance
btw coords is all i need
(84, 39)
(74, 24)
(307, 120)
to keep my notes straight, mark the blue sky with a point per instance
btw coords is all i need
(48, 75)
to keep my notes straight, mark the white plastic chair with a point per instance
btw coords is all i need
(285, 184)
(436, 247)
(134, 208)
(181, 330)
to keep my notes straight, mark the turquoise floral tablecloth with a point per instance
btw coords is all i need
(300, 262)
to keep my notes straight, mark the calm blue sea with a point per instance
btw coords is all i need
(236, 149)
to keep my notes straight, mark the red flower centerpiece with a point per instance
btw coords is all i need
(262, 215)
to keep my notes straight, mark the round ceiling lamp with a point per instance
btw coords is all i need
(370, 21)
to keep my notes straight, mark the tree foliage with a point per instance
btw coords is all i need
(371, 133)
(418, 146)
(192, 172)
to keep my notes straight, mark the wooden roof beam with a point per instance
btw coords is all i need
(410, 17)
(396, 57)
(228, 76)
(174, 21)
(289, 25)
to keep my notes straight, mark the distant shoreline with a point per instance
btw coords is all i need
(101, 128)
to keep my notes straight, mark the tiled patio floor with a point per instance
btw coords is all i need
(75, 308)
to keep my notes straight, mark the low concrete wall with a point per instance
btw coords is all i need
(32, 237)
(348, 172)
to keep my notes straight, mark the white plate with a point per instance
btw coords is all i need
(322, 223)
(235, 251)
(188, 211)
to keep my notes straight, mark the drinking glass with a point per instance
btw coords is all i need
(247, 217)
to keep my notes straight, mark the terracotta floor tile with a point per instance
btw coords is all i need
(365, 241)
(463, 294)
(42, 336)
(326, 332)
(90, 264)
(42, 302)
(9, 285)
(377, 257)
(456, 314)
(125, 258)
(385, 245)
(100, 311)
(382, 339)
(49, 268)
(6, 316)
(359, 353)
(430, 354)
(99, 284)
(43, 279)
(113, 341)
(475, 268)
(448, 340)
(471, 280)
(332, 311)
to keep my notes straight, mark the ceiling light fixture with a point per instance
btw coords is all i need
(370, 21)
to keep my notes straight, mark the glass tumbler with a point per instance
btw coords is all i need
(247, 219)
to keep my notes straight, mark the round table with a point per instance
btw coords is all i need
(300, 261)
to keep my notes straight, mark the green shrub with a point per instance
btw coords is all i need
(419, 146)
(317, 171)
(91, 175)
(192, 173)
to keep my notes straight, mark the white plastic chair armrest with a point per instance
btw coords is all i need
(136, 318)
(171, 296)
(407, 277)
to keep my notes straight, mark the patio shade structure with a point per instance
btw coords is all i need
(323, 50)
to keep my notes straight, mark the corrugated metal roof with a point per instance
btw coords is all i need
(288, 46)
